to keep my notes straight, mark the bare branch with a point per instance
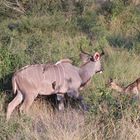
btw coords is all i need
(20, 6)
(137, 29)
(14, 6)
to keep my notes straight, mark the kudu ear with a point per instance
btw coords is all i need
(110, 80)
(96, 56)
(108, 84)
(84, 57)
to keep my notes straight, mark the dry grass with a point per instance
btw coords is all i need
(43, 123)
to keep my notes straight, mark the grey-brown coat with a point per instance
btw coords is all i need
(45, 79)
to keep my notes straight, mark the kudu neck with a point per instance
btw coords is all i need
(87, 70)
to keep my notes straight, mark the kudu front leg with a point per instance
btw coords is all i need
(84, 106)
(75, 95)
(60, 99)
(28, 100)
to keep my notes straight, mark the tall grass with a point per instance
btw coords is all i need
(42, 123)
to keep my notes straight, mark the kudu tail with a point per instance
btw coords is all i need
(14, 85)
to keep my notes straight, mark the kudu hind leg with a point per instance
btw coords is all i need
(12, 105)
(27, 103)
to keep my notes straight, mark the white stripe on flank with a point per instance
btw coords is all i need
(48, 74)
(63, 72)
(54, 74)
(59, 75)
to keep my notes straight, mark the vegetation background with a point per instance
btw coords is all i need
(42, 31)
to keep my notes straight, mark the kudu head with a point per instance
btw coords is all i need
(92, 59)
(111, 84)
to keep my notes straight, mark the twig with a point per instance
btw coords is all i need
(137, 30)
(15, 6)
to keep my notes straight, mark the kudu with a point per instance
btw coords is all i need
(133, 88)
(46, 79)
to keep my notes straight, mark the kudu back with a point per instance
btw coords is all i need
(46, 79)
